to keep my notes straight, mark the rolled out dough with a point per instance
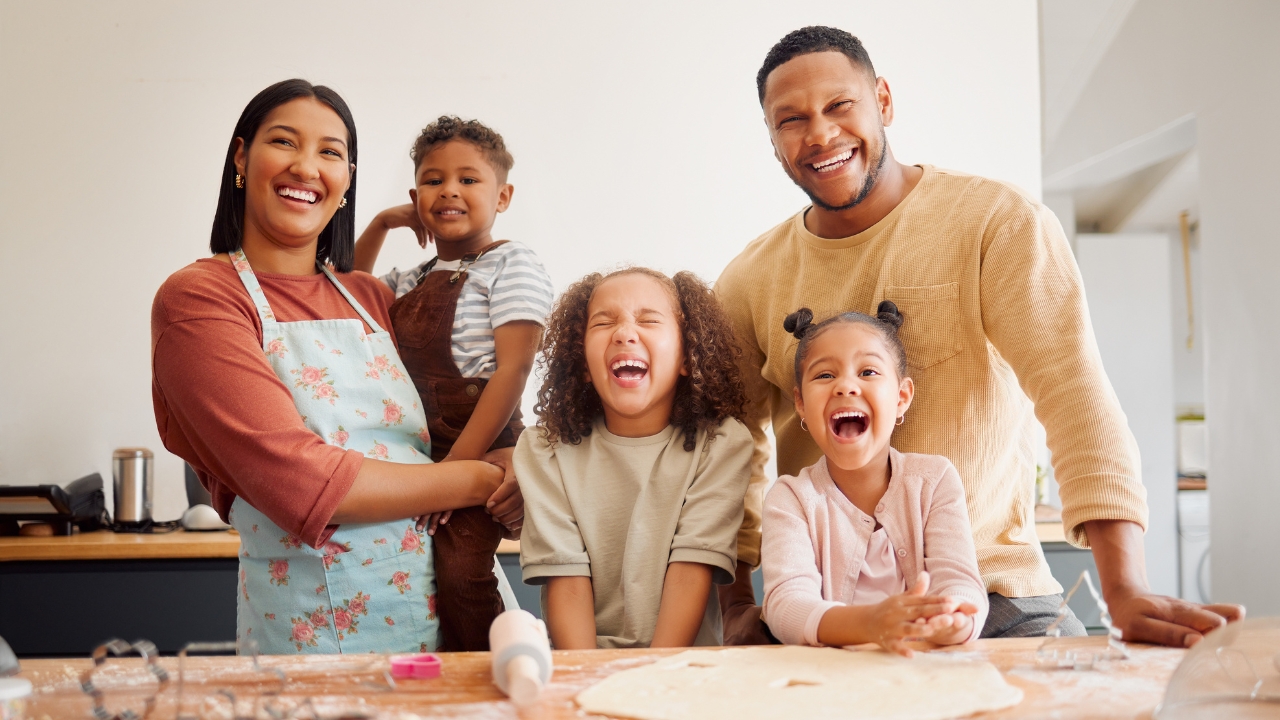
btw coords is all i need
(801, 682)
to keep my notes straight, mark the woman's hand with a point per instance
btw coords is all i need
(506, 505)
(405, 216)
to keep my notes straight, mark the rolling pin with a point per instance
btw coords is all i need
(521, 656)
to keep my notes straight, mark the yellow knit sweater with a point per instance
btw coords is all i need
(997, 334)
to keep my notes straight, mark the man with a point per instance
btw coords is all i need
(995, 316)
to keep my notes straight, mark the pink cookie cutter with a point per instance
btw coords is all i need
(416, 666)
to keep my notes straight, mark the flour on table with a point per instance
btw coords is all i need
(802, 682)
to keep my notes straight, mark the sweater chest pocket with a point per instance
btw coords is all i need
(931, 331)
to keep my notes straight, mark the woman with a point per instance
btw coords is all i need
(274, 377)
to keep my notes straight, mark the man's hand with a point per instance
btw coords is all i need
(1141, 615)
(506, 505)
(1145, 617)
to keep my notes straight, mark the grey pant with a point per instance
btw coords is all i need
(1027, 617)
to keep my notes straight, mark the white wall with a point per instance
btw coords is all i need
(635, 127)
(1220, 61)
(1126, 280)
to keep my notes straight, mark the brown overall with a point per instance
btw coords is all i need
(467, 591)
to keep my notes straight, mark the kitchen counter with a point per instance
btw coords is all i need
(107, 545)
(1125, 689)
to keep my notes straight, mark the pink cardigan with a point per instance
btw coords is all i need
(815, 540)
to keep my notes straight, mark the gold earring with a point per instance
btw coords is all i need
(901, 419)
(239, 181)
(342, 204)
(803, 426)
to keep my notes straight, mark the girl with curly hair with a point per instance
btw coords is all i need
(634, 477)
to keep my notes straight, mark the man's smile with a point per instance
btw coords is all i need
(834, 163)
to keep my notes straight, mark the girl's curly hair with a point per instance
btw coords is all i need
(712, 392)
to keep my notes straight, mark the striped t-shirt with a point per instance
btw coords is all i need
(507, 284)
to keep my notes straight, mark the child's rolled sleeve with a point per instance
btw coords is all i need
(550, 543)
(707, 531)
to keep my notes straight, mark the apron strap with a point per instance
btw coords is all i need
(373, 324)
(250, 280)
(259, 298)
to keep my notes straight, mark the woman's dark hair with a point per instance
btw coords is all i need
(336, 245)
(886, 322)
(567, 401)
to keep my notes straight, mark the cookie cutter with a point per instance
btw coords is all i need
(1056, 652)
(416, 666)
(144, 649)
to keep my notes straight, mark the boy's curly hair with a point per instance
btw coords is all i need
(567, 401)
(452, 127)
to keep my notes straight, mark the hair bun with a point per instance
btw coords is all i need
(888, 313)
(799, 322)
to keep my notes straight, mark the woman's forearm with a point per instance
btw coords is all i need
(571, 613)
(386, 491)
(684, 603)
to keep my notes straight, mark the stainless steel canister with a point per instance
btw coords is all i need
(134, 473)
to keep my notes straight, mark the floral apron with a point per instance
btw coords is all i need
(371, 587)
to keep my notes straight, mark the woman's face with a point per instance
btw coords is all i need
(295, 170)
(850, 395)
(635, 353)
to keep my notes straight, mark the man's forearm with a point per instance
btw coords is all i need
(1120, 557)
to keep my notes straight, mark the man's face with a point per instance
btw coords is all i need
(826, 118)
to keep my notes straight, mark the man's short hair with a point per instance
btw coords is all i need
(812, 39)
(450, 127)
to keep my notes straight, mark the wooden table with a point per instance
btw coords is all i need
(1125, 689)
(64, 595)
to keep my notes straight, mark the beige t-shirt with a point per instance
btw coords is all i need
(997, 334)
(618, 510)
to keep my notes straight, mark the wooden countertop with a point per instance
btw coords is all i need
(106, 545)
(1125, 689)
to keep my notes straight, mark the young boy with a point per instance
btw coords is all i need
(468, 324)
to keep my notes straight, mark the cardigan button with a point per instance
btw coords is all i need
(902, 552)
(473, 390)
(880, 507)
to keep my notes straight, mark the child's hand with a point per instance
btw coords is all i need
(435, 520)
(406, 216)
(952, 628)
(904, 617)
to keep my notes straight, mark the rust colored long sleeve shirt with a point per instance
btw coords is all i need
(221, 407)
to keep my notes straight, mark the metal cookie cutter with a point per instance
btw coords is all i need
(1059, 652)
(247, 647)
(147, 651)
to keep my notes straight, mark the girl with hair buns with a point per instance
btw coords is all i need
(868, 544)
(634, 477)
